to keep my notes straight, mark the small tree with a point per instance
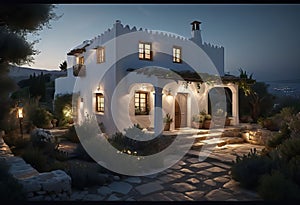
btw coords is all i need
(63, 66)
(256, 95)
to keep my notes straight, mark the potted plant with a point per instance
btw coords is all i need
(227, 121)
(207, 121)
(197, 121)
(167, 120)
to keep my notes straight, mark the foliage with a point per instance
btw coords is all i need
(146, 145)
(82, 154)
(168, 119)
(276, 186)
(198, 118)
(40, 117)
(71, 135)
(36, 158)
(16, 21)
(63, 109)
(13, 139)
(10, 189)
(254, 97)
(63, 66)
(280, 136)
(35, 85)
(83, 176)
(249, 168)
(289, 149)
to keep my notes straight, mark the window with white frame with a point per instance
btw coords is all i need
(176, 54)
(100, 54)
(99, 102)
(80, 60)
(145, 51)
(141, 103)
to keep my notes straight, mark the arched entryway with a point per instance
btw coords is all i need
(219, 92)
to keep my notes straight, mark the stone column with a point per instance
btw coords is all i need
(158, 114)
(235, 105)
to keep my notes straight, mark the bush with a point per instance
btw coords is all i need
(82, 154)
(44, 140)
(13, 139)
(36, 158)
(39, 117)
(63, 109)
(10, 189)
(85, 176)
(249, 168)
(276, 186)
(289, 149)
(71, 135)
(278, 138)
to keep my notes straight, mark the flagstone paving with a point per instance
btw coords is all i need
(189, 179)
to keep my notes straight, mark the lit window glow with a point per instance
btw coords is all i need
(176, 55)
(100, 55)
(145, 52)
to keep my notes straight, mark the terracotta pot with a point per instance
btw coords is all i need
(197, 125)
(167, 126)
(227, 122)
(206, 124)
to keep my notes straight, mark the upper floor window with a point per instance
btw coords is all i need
(176, 54)
(80, 60)
(100, 55)
(99, 102)
(141, 103)
(145, 51)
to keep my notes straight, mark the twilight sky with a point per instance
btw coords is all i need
(261, 39)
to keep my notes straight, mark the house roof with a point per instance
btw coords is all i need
(80, 48)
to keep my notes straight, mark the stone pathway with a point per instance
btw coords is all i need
(189, 179)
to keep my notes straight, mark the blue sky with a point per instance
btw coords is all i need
(262, 39)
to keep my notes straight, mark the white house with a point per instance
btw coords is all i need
(126, 76)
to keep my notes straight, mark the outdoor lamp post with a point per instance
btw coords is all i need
(20, 116)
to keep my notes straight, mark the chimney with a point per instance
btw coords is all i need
(196, 33)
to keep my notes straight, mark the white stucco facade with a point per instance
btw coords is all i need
(117, 78)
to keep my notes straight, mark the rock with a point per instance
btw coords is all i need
(183, 187)
(221, 179)
(135, 180)
(117, 178)
(193, 180)
(218, 195)
(149, 188)
(113, 197)
(104, 191)
(120, 187)
(195, 195)
(93, 197)
(210, 182)
(215, 169)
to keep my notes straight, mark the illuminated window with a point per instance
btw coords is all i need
(176, 55)
(145, 52)
(100, 55)
(80, 60)
(99, 102)
(141, 103)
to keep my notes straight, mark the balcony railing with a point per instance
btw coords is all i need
(79, 70)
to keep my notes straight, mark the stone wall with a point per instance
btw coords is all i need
(54, 185)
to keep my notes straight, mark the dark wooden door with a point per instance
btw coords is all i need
(180, 110)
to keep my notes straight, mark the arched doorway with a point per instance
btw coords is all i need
(218, 91)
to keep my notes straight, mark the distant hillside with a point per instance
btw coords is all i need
(21, 73)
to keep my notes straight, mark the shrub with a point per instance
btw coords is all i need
(40, 117)
(249, 168)
(71, 135)
(289, 149)
(10, 189)
(278, 138)
(276, 186)
(44, 140)
(36, 158)
(84, 176)
(63, 109)
(82, 154)
(13, 139)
